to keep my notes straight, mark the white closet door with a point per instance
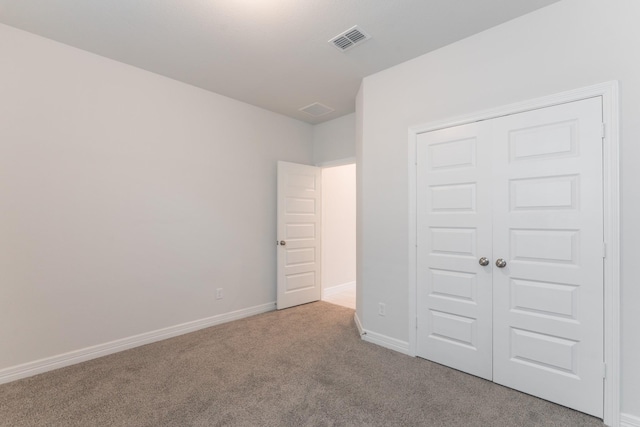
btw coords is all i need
(454, 232)
(548, 227)
(525, 189)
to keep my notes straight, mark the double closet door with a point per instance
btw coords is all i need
(510, 251)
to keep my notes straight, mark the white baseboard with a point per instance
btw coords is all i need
(326, 292)
(25, 370)
(387, 342)
(356, 319)
(628, 420)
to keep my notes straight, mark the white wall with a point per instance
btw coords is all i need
(338, 225)
(568, 45)
(126, 199)
(335, 140)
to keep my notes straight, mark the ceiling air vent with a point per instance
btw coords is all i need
(316, 109)
(349, 38)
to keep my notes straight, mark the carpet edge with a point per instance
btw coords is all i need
(25, 370)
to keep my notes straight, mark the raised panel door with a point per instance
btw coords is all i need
(454, 231)
(526, 189)
(298, 234)
(548, 300)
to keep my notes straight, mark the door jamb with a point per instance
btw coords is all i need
(611, 198)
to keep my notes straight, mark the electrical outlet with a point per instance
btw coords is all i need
(382, 309)
(219, 294)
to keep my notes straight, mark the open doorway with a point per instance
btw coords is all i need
(339, 235)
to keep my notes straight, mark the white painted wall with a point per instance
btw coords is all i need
(571, 44)
(334, 141)
(338, 225)
(127, 198)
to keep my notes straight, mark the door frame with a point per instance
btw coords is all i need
(611, 198)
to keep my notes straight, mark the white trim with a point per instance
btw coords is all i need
(385, 341)
(356, 319)
(413, 244)
(628, 420)
(610, 105)
(611, 162)
(332, 290)
(71, 358)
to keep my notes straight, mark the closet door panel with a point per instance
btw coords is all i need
(454, 231)
(548, 227)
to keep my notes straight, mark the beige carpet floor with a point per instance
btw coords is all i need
(305, 366)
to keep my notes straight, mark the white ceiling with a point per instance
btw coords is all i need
(269, 53)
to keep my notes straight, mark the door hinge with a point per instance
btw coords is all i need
(604, 370)
(604, 131)
(604, 249)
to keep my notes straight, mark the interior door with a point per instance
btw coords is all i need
(299, 216)
(524, 191)
(454, 232)
(548, 228)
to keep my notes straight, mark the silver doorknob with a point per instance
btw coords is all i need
(500, 263)
(483, 261)
(282, 243)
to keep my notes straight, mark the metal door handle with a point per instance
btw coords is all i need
(282, 243)
(500, 263)
(483, 261)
